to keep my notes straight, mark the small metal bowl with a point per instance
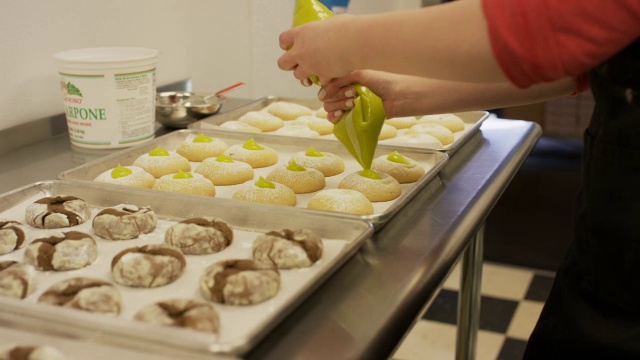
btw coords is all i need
(178, 109)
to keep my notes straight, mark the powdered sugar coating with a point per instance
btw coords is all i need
(82, 293)
(286, 110)
(281, 195)
(15, 279)
(239, 282)
(225, 173)
(187, 313)
(301, 182)
(197, 185)
(404, 173)
(288, 248)
(258, 158)
(57, 212)
(450, 121)
(198, 151)
(376, 190)
(138, 178)
(341, 200)
(236, 125)
(438, 131)
(124, 221)
(12, 235)
(329, 164)
(163, 165)
(262, 120)
(33, 353)
(148, 266)
(199, 236)
(62, 251)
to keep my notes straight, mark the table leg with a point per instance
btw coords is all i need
(469, 298)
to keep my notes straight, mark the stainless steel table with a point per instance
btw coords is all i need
(368, 305)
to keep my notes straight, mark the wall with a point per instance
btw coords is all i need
(213, 42)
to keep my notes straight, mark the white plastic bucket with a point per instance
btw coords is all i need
(109, 95)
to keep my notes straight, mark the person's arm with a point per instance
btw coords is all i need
(405, 95)
(447, 41)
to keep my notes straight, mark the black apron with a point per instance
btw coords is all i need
(593, 310)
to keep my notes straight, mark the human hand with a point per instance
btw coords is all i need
(318, 48)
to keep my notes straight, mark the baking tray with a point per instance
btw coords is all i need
(241, 327)
(472, 119)
(285, 146)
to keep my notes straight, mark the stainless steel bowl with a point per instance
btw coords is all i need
(177, 109)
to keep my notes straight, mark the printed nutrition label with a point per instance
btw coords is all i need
(136, 105)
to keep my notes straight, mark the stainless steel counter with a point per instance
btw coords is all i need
(369, 304)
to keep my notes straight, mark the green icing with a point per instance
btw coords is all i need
(183, 175)
(120, 172)
(202, 138)
(314, 153)
(158, 152)
(397, 158)
(293, 166)
(252, 145)
(262, 183)
(370, 174)
(224, 158)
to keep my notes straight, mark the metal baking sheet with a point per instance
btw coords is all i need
(285, 146)
(472, 119)
(241, 327)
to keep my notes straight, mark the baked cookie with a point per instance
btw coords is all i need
(438, 131)
(419, 140)
(262, 120)
(236, 125)
(376, 186)
(320, 125)
(124, 222)
(321, 113)
(450, 121)
(159, 162)
(57, 212)
(186, 183)
(62, 251)
(288, 248)
(185, 313)
(403, 122)
(201, 147)
(28, 352)
(239, 282)
(341, 200)
(12, 236)
(15, 279)
(401, 168)
(83, 293)
(199, 236)
(286, 110)
(327, 163)
(266, 192)
(387, 132)
(254, 154)
(133, 176)
(297, 130)
(223, 170)
(298, 178)
(148, 266)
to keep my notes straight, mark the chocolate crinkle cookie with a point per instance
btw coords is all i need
(186, 313)
(57, 212)
(198, 236)
(239, 282)
(12, 236)
(62, 251)
(148, 266)
(15, 279)
(28, 352)
(287, 248)
(82, 293)
(124, 222)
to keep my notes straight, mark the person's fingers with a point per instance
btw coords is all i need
(300, 74)
(329, 95)
(286, 62)
(286, 39)
(335, 109)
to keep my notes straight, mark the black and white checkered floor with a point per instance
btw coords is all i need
(512, 299)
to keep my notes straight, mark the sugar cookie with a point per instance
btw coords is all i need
(450, 121)
(401, 168)
(223, 170)
(438, 131)
(376, 186)
(186, 183)
(298, 178)
(286, 110)
(254, 154)
(341, 200)
(267, 192)
(262, 120)
(134, 176)
(159, 162)
(327, 163)
(201, 147)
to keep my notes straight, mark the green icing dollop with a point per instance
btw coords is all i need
(293, 166)
(224, 158)
(314, 153)
(397, 158)
(252, 145)
(158, 152)
(262, 183)
(120, 172)
(202, 138)
(183, 175)
(370, 174)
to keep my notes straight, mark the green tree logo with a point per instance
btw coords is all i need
(70, 89)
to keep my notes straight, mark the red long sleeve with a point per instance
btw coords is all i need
(544, 40)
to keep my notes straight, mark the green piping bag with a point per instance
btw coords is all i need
(358, 129)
